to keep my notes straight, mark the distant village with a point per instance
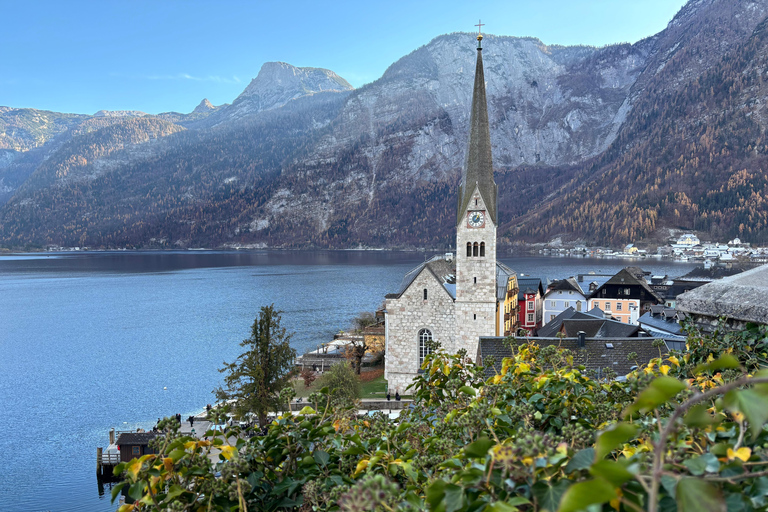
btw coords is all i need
(687, 247)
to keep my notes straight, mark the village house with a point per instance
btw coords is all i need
(530, 300)
(625, 296)
(561, 295)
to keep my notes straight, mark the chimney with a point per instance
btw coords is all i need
(582, 339)
(607, 315)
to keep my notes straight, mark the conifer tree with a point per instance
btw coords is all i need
(254, 380)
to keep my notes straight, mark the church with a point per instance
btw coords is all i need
(454, 300)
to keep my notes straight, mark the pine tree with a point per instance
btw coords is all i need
(254, 380)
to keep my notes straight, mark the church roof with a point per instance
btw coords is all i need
(478, 169)
(443, 270)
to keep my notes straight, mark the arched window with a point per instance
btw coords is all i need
(482, 248)
(425, 294)
(469, 249)
(474, 249)
(425, 339)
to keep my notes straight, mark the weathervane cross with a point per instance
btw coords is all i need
(479, 26)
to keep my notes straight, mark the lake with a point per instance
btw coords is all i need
(90, 341)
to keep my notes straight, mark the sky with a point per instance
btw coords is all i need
(167, 55)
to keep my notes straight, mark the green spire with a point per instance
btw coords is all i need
(478, 169)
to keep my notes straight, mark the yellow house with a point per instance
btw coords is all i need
(506, 320)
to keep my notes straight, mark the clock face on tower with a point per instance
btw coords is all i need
(476, 219)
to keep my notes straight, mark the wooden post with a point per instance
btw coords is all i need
(98, 461)
(112, 436)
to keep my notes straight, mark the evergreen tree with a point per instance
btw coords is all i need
(254, 380)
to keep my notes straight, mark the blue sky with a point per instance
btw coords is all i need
(156, 56)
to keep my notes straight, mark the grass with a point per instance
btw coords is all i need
(372, 385)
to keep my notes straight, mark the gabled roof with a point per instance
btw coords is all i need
(626, 277)
(568, 284)
(478, 168)
(136, 438)
(553, 326)
(444, 271)
(596, 355)
(529, 285)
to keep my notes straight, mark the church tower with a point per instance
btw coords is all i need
(476, 228)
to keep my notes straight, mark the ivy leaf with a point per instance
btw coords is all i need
(660, 391)
(321, 457)
(612, 437)
(582, 460)
(611, 471)
(479, 449)
(751, 404)
(444, 496)
(116, 490)
(583, 494)
(549, 496)
(468, 390)
(136, 491)
(721, 363)
(698, 417)
(696, 495)
(703, 463)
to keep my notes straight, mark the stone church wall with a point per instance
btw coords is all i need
(406, 316)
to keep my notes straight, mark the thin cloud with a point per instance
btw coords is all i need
(187, 76)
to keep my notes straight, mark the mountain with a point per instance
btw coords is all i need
(606, 145)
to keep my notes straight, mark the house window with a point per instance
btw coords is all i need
(607, 306)
(425, 338)
(474, 249)
(553, 304)
(530, 305)
(425, 294)
(482, 249)
(626, 291)
(135, 450)
(560, 292)
(551, 317)
(475, 280)
(469, 249)
(618, 306)
(530, 318)
(567, 304)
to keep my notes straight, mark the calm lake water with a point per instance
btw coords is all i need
(89, 341)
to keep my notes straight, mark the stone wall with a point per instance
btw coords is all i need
(406, 316)
(475, 282)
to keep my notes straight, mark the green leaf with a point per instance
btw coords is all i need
(174, 492)
(751, 404)
(444, 496)
(549, 496)
(116, 489)
(614, 472)
(479, 449)
(507, 506)
(468, 390)
(696, 495)
(698, 417)
(704, 463)
(612, 438)
(721, 363)
(582, 460)
(321, 457)
(583, 494)
(136, 491)
(454, 498)
(658, 392)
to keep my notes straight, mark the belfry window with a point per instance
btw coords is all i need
(482, 249)
(475, 247)
(425, 342)
(469, 249)
(425, 294)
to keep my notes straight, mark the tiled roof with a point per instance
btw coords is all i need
(740, 297)
(444, 271)
(529, 285)
(553, 326)
(596, 354)
(627, 277)
(565, 285)
(599, 328)
(135, 437)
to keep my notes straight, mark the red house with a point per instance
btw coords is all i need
(530, 302)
